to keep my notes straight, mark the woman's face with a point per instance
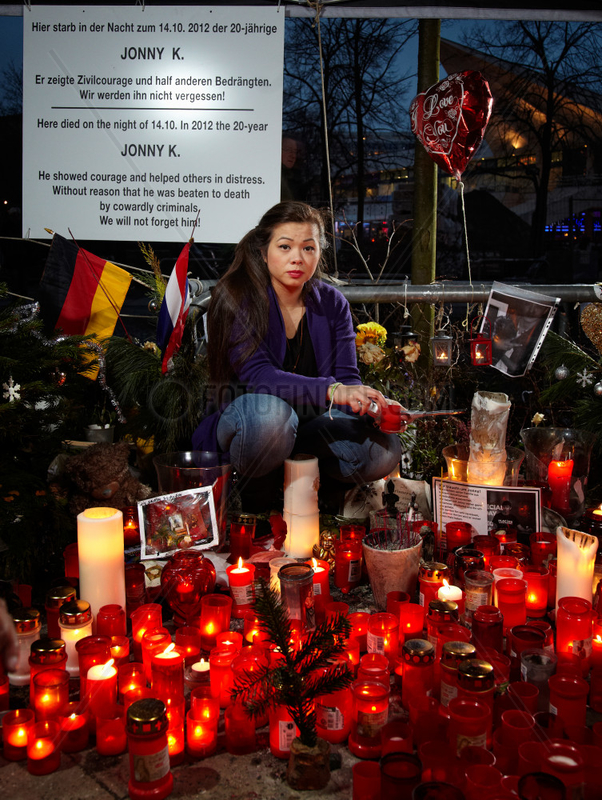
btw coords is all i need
(292, 255)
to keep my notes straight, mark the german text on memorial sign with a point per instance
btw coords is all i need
(138, 119)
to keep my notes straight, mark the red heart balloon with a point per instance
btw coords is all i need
(450, 119)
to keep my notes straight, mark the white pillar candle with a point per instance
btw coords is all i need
(301, 482)
(576, 556)
(101, 563)
(302, 533)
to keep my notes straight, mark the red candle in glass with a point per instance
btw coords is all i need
(252, 631)
(167, 673)
(245, 663)
(131, 528)
(430, 579)
(15, 730)
(145, 618)
(229, 640)
(511, 601)
(370, 715)
(543, 625)
(543, 545)
(102, 689)
(150, 773)
(458, 534)
(352, 531)
(50, 693)
(568, 698)
(43, 753)
(453, 653)
(111, 736)
(240, 730)
(488, 545)
(574, 629)
(221, 675)
(559, 481)
(240, 579)
(91, 650)
(111, 620)
(333, 609)
(175, 709)
(54, 600)
(418, 657)
(282, 731)
(347, 564)
(188, 641)
(411, 621)
(505, 536)
(597, 644)
(120, 650)
(321, 586)
(383, 635)
(453, 594)
(563, 760)
(538, 579)
(470, 723)
(45, 654)
(242, 531)
(130, 676)
(135, 590)
(374, 667)
(503, 562)
(153, 642)
(488, 628)
(134, 695)
(71, 557)
(201, 723)
(216, 610)
(359, 630)
(352, 653)
(75, 733)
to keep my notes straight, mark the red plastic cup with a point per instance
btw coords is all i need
(517, 727)
(469, 723)
(523, 696)
(568, 698)
(530, 755)
(397, 737)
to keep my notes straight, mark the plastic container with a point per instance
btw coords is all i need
(28, 625)
(150, 773)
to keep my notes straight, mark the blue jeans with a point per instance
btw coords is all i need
(260, 431)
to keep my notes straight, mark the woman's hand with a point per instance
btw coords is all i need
(358, 398)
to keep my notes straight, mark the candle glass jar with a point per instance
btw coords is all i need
(16, 726)
(241, 579)
(130, 676)
(470, 723)
(167, 674)
(458, 534)
(146, 617)
(186, 578)
(488, 629)
(452, 655)
(538, 579)
(241, 738)
(334, 712)
(153, 642)
(568, 698)
(242, 533)
(282, 731)
(135, 588)
(536, 785)
(440, 612)
(321, 581)
(476, 681)
(201, 723)
(75, 622)
(45, 654)
(131, 527)
(297, 592)
(27, 625)
(418, 657)
(488, 545)
(120, 650)
(54, 600)
(175, 708)
(400, 773)
(430, 580)
(91, 650)
(374, 667)
(544, 625)
(101, 691)
(50, 693)
(150, 773)
(216, 612)
(111, 736)
(563, 760)
(75, 733)
(370, 715)
(478, 589)
(543, 547)
(411, 621)
(522, 637)
(511, 601)
(221, 675)
(347, 564)
(574, 629)
(111, 620)
(467, 559)
(43, 753)
(383, 635)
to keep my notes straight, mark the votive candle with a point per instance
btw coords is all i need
(43, 753)
(131, 675)
(75, 733)
(216, 610)
(321, 586)
(146, 617)
(15, 731)
(240, 579)
(120, 650)
(167, 673)
(102, 689)
(453, 594)
(50, 693)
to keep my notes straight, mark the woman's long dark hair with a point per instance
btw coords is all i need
(238, 313)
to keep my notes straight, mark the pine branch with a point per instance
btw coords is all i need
(274, 619)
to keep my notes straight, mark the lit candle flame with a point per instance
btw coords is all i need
(599, 638)
(240, 562)
(314, 563)
(445, 583)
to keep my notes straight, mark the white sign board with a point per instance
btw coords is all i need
(137, 119)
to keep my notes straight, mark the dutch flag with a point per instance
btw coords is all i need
(174, 309)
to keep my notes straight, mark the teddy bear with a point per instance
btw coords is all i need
(101, 476)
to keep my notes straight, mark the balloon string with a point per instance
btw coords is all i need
(461, 185)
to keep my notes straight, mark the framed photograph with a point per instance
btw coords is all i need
(519, 321)
(180, 521)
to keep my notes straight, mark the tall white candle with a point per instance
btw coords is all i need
(302, 533)
(576, 556)
(301, 482)
(101, 563)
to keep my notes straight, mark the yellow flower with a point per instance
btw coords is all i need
(369, 353)
(370, 332)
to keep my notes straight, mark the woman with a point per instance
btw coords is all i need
(281, 348)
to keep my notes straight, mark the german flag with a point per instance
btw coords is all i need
(79, 292)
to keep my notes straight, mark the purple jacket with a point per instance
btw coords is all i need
(333, 339)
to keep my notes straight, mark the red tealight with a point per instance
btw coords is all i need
(75, 733)
(167, 673)
(216, 610)
(241, 580)
(145, 618)
(16, 726)
(102, 689)
(111, 620)
(120, 650)
(321, 586)
(111, 736)
(43, 753)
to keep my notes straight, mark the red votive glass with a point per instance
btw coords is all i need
(71, 558)
(453, 653)
(517, 727)
(440, 613)
(543, 545)
(91, 650)
(541, 786)
(523, 696)
(511, 601)
(175, 708)
(553, 570)
(538, 582)
(470, 723)
(102, 689)
(352, 531)
(111, 736)
(333, 609)
(242, 532)
(130, 676)
(411, 621)
(135, 589)
(153, 642)
(383, 635)
(418, 656)
(75, 733)
(397, 737)
(374, 667)
(146, 617)
(457, 534)
(201, 723)
(568, 698)
(167, 673)
(43, 752)
(347, 564)
(365, 780)
(111, 620)
(563, 760)
(359, 630)
(241, 578)
(134, 695)
(321, 580)
(544, 625)
(400, 773)
(15, 731)
(131, 526)
(120, 650)
(521, 638)
(188, 642)
(476, 681)
(216, 610)
(478, 591)
(505, 537)
(240, 730)
(352, 653)
(50, 693)
(248, 662)
(150, 773)
(439, 764)
(282, 731)
(574, 629)
(221, 675)
(54, 600)
(502, 562)
(430, 579)
(252, 632)
(530, 755)
(482, 780)
(487, 629)
(370, 715)
(488, 545)
(45, 654)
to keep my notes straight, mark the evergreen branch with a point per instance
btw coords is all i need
(337, 678)
(273, 618)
